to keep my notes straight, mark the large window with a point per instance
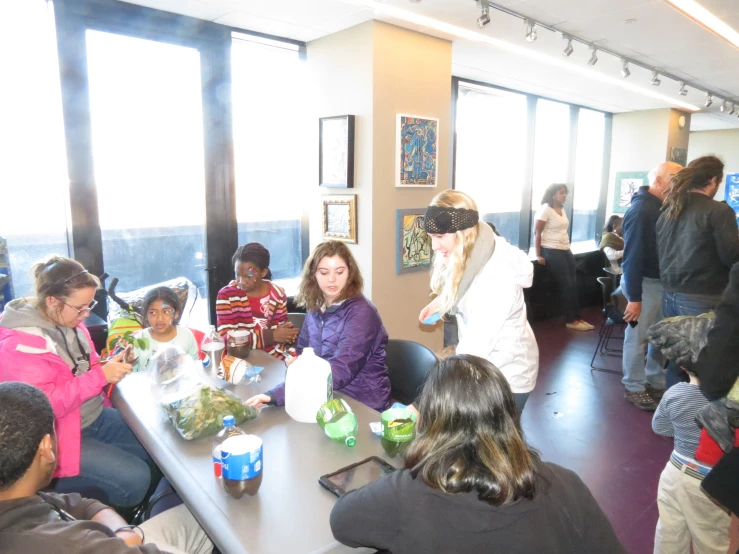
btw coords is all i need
(34, 187)
(588, 175)
(509, 147)
(147, 131)
(271, 131)
(551, 147)
(181, 142)
(491, 153)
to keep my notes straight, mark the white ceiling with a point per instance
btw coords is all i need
(659, 37)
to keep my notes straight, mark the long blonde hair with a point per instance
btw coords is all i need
(446, 273)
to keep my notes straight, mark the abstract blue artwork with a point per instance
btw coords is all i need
(417, 146)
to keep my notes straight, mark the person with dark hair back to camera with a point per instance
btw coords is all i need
(34, 522)
(253, 303)
(698, 242)
(471, 484)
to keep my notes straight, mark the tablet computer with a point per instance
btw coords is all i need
(356, 475)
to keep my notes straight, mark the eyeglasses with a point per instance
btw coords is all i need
(167, 312)
(83, 311)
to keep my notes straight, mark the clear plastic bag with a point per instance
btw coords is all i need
(192, 404)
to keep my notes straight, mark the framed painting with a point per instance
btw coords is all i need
(336, 151)
(679, 155)
(416, 148)
(413, 245)
(340, 218)
(627, 183)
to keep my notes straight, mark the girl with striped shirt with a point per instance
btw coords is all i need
(253, 303)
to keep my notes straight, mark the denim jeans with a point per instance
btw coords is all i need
(637, 371)
(561, 264)
(114, 467)
(675, 303)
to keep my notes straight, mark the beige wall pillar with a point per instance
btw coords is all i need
(375, 71)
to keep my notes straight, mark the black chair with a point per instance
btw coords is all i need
(296, 319)
(408, 363)
(611, 322)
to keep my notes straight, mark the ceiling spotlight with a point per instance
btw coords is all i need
(484, 18)
(656, 81)
(732, 109)
(625, 69)
(709, 100)
(593, 56)
(568, 49)
(723, 106)
(683, 89)
(530, 30)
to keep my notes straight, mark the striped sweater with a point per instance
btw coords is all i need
(675, 417)
(234, 313)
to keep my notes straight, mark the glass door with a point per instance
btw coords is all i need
(147, 141)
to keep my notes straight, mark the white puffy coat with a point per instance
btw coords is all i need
(491, 317)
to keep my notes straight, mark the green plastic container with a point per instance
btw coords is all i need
(398, 430)
(338, 422)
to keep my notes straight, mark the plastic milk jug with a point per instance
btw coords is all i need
(308, 386)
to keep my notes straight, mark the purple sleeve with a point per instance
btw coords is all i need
(361, 328)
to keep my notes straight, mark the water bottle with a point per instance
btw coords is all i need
(241, 456)
(338, 422)
(308, 386)
(213, 345)
(229, 430)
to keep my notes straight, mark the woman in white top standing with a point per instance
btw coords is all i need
(479, 278)
(553, 249)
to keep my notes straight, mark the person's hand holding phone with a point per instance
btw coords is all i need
(632, 313)
(116, 369)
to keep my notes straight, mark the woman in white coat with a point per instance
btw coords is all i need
(479, 278)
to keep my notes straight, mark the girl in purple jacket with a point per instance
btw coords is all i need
(342, 327)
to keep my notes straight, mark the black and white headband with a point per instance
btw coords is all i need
(440, 221)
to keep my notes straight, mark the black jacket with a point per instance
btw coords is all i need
(404, 515)
(640, 248)
(717, 365)
(697, 250)
(718, 368)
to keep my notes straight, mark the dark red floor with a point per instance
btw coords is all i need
(580, 420)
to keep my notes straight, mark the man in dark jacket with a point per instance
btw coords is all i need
(33, 521)
(642, 288)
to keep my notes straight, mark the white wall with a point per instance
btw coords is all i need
(642, 140)
(724, 144)
(340, 68)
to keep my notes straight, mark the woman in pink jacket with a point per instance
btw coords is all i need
(43, 342)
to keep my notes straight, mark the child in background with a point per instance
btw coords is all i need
(253, 303)
(686, 513)
(162, 313)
